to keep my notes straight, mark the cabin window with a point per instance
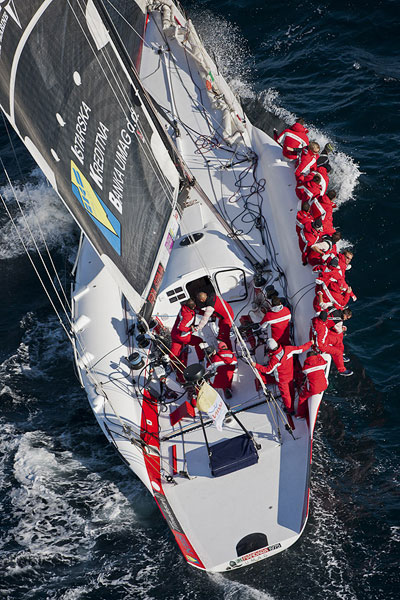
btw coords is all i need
(232, 284)
(176, 295)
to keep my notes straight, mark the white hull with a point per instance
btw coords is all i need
(209, 516)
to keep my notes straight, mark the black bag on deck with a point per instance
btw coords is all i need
(232, 455)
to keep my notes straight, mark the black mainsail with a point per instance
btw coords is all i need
(70, 91)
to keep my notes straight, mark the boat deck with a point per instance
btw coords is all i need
(268, 497)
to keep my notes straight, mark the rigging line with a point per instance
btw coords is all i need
(302, 296)
(35, 268)
(60, 300)
(194, 100)
(156, 173)
(302, 288)
(69, 320)
(34, 212)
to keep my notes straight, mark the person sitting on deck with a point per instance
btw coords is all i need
(277, 322)
(208, 305)
(345, 257)
(225, 362)
(314, 370)
(331, 291)
(323, 249)
(309, 187)
(292, 139)
(309, 235)
(303, 217)
(307, 160)
(322, 207)
(323, 172)
(280, 365)
(328, 342)
(335, 320)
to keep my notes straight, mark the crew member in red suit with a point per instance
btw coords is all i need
(292, 139)
(309, 187)
(308, 160)
(226, 362)
(336, 318)
(309, 235)
(345, 257)
(212, 304)
(330, 271)
(280, 365)
(303, 217)
(276, 322)
(315, 380)
(323, 249)
(323, 207)
(330, 292)
(324, 341)
(181, 334)
(323, 172)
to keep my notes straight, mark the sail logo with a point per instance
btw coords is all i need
(101, 216)
(10, 9)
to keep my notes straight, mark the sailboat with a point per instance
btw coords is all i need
(176, 193)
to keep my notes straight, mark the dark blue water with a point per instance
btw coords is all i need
(75, 524)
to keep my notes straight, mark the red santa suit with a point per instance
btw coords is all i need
(315, 382)
(335, 320)
(307, 162)
(277, 322)
(334, 293)
(302, 218)
(308, 237)
(327, 273)
(291, 138)
(324, 179)
(280, 365)
(307, 189)
(214, 305)
(181, 334)
(325, 341)
(226, 363)
(343, 264)
(326, 248)
(323, 207)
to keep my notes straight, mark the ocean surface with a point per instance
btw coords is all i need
(75, 524)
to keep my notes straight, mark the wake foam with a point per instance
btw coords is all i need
(235, 589)
(43, 344)
(42, 210)
(345, 171)
(228, 49)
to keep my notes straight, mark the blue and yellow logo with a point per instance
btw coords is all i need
(102, 217)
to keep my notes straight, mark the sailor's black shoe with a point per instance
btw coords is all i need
(346, 373)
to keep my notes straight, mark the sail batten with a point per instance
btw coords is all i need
(78, 106)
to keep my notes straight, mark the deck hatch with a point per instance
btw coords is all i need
(251, 542)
